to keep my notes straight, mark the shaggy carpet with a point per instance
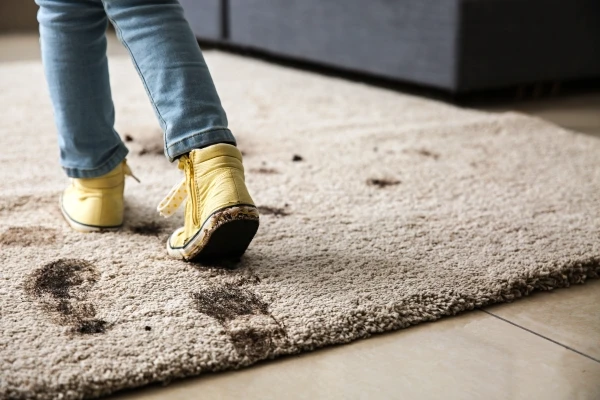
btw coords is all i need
(379, 211)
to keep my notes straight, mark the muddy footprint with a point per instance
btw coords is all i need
(253, 331)
(61, 288)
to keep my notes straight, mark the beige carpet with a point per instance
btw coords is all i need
(397, 210)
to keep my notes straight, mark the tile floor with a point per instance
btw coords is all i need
(546, 346)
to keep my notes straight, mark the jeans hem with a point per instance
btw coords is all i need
(104, 169)
(198, 141)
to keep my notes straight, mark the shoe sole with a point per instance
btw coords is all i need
(226, 234)
(83, 228)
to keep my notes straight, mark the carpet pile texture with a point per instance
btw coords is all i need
(379, 211)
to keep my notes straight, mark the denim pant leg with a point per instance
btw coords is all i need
(172, 68)
(72, 36)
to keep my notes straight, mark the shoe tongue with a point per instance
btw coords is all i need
(216, 150)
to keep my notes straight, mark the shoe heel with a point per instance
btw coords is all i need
(225, 235)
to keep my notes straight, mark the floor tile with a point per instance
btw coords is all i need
(575, 112)
(473, 356)
(568, 316)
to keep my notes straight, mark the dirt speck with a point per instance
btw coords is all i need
(427, 153)
(297, 158)
(128, 138)
(267, 210)
(153, 150)
(61, 288)
(264, 170)
(148, 328)
(381, 183)
(24, 236)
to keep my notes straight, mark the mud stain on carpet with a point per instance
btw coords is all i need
(61, 289)
(18, 203)
(256, 343)
(24, 236)
(234, 302)
(227, 302)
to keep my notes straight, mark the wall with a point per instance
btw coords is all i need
(18, 16)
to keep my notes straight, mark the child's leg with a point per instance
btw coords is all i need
(168, 59)
(74, 54)
(220, 216)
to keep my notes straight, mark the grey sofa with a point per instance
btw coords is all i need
(455, 45)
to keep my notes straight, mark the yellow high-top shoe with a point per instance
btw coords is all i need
(96, 204)
(220, 216)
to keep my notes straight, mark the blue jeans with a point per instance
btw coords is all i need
(167, 58)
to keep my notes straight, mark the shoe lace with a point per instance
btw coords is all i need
(127, 171)
(173, 200)
(179, 193)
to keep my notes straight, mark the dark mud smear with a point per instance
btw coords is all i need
(267, 210)
(235, 302)
(92, 326)
(227, 302)
(381, 183)
(61, 288)
(24, 236)
(256, 343)
(297, 158)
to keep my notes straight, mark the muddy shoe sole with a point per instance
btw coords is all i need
(226, 234)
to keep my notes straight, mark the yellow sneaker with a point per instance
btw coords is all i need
(220, 216)
(96, 204)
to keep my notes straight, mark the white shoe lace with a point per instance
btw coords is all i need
(127, 171)
(169, 205)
